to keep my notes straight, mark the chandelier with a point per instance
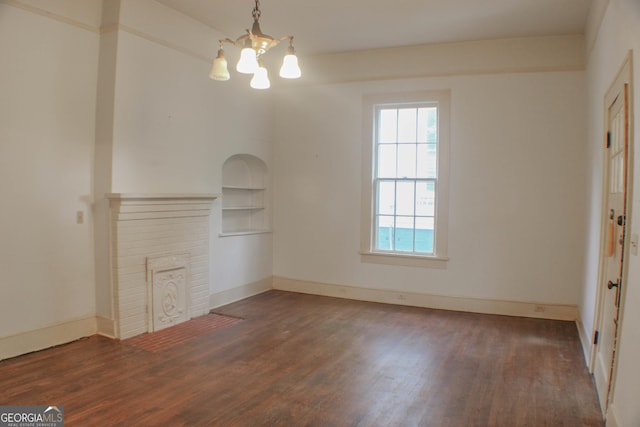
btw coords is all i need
(254, 44)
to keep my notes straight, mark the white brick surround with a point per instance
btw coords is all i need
(146, 226)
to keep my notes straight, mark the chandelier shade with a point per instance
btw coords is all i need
(254, 44)
(220, 71)
(248, 63)
(290, 68)
(260, 78)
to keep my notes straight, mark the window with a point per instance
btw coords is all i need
(405, 202)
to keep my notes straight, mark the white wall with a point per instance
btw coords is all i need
(517, 173)
(619, 33)
(550, 53)
(516, 193)
(174, 127)
(159, 125)
(47, 109)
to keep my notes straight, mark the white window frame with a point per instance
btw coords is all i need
(368, 253)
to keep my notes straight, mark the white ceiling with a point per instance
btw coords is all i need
(327, 26)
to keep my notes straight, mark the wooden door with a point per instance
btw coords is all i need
(614, 246)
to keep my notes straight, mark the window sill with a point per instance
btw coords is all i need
(404, 260)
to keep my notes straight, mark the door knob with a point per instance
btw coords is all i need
(612, 285)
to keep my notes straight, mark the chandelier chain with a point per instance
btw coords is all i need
(256, 11)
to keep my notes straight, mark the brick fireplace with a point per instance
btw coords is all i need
(159, 247)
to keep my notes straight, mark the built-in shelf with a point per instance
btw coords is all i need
(244, 201)
(239, 187)
(243, 208)
(244, 233)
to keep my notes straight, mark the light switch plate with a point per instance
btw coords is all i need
(634, 244)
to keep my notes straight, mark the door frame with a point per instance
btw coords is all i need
(624, 77)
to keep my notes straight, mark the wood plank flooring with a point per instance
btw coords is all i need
(302, 360)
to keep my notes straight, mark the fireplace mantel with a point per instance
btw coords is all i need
(135, 206)
(162, 196)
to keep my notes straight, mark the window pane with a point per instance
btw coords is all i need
(387, 161)
(424, 235)
(405, 198)
(386, 198)
(406, 161)
(425, 198)
(404, 234)
(385, 233)
(407, 124)
(423, 124)
(427, 161)
(428, 124)
(388, 126)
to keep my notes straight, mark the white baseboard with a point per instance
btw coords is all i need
(106, 327)
(585, 341)
(612, 421)
(601, 377)
(62, 333)
(241, 292)
(474, 305)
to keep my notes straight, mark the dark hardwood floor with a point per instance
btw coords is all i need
(302, 360)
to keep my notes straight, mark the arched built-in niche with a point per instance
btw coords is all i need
(244, 201)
